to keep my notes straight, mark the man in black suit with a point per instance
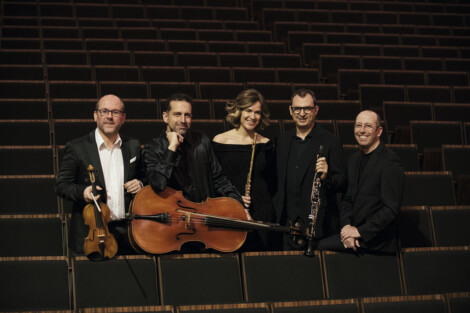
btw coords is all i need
(118, 173)
(372, 202)
(297, 163)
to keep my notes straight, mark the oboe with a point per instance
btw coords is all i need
(315, 206)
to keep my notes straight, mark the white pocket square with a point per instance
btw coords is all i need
(133, 160)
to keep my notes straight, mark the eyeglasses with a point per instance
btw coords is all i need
(367, 127)
(105, 112)
(307, 110)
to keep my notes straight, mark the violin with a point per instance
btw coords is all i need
(100, 243)
(162, 222)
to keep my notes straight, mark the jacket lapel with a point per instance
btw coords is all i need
(125, 149)
(94, 156)
(370, 165)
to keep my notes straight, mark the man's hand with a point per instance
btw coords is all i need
(322, 167)
(174, 140)
(350, 237)
(133, 186)
(246, 203)
(87, 194)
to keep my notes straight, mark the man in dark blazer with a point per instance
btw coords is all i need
(118, 173)
(372, 202)
(297, 163)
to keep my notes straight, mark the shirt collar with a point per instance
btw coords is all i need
(100, 142)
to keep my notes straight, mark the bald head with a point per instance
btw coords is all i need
(112, 99)
(367, 130)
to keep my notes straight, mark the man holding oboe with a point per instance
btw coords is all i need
(372, 202)
(297, 163)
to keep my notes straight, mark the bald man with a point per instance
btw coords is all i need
(118, 172)
(372, 202)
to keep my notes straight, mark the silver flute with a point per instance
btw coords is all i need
(315, 206)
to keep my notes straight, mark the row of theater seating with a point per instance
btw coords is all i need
(231, 278)
(419, 226)
(421, 188)
(348, 78)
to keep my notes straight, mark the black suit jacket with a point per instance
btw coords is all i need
(327, 218)
(73, 178)
(372, 204)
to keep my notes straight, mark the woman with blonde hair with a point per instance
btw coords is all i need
(247, 159)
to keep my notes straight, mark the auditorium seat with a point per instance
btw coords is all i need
(25, 133)
(406, 304)
(339, 305)
(69, 72)
(73, 89)
(70, 129)
(312, 51)
(274, 91)
(18, 108)
(27, 160)
(452, 111)
(229, 13)
(239, 59)
(21, 72)
(65, 32)
(215, 34)
(127, 89)
(431, 134)
(414, 227)
(281, 28)
(362, 49)
(163, 73)
(209, 74)
(21, 44)
(298, 75)
(408, 154)
(455, 159)
(382, 39)
(373, 95)
(428, 188)
(461, 94)
(418, 40)
(436, 270)
(145, 45)
(41, 235)
(218, 106)
(330, 64)
(338, 109)
(401, 51)
(265, 47)
(249, 74)
(166, 89)
(111, 57)
(47, 278)
(141, 109)
(451, 225)
(116, 73)
(440, 52)
(21, 56)
(154, 58)
(398, 77)
(90, 10)
(220, 90)
(128, 281)
(273, 130)
(220, 274)
(343, 37)
(21, 89)
(281, 60)
(296, 39)
(433, 30)
(253, 35)
(349, 81)
(381, 62)
(281, 276)
(399, 114)
(377, 275)
(227, 46)
(427, 64)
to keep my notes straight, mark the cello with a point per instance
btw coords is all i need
(100, 243)
(162, 222)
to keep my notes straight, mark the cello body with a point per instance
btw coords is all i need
(162, 222)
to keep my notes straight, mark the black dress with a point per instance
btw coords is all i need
(235, 161)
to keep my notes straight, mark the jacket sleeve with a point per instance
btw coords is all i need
(67, 184)
(159, 163)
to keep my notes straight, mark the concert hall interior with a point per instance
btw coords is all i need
(407, 60)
